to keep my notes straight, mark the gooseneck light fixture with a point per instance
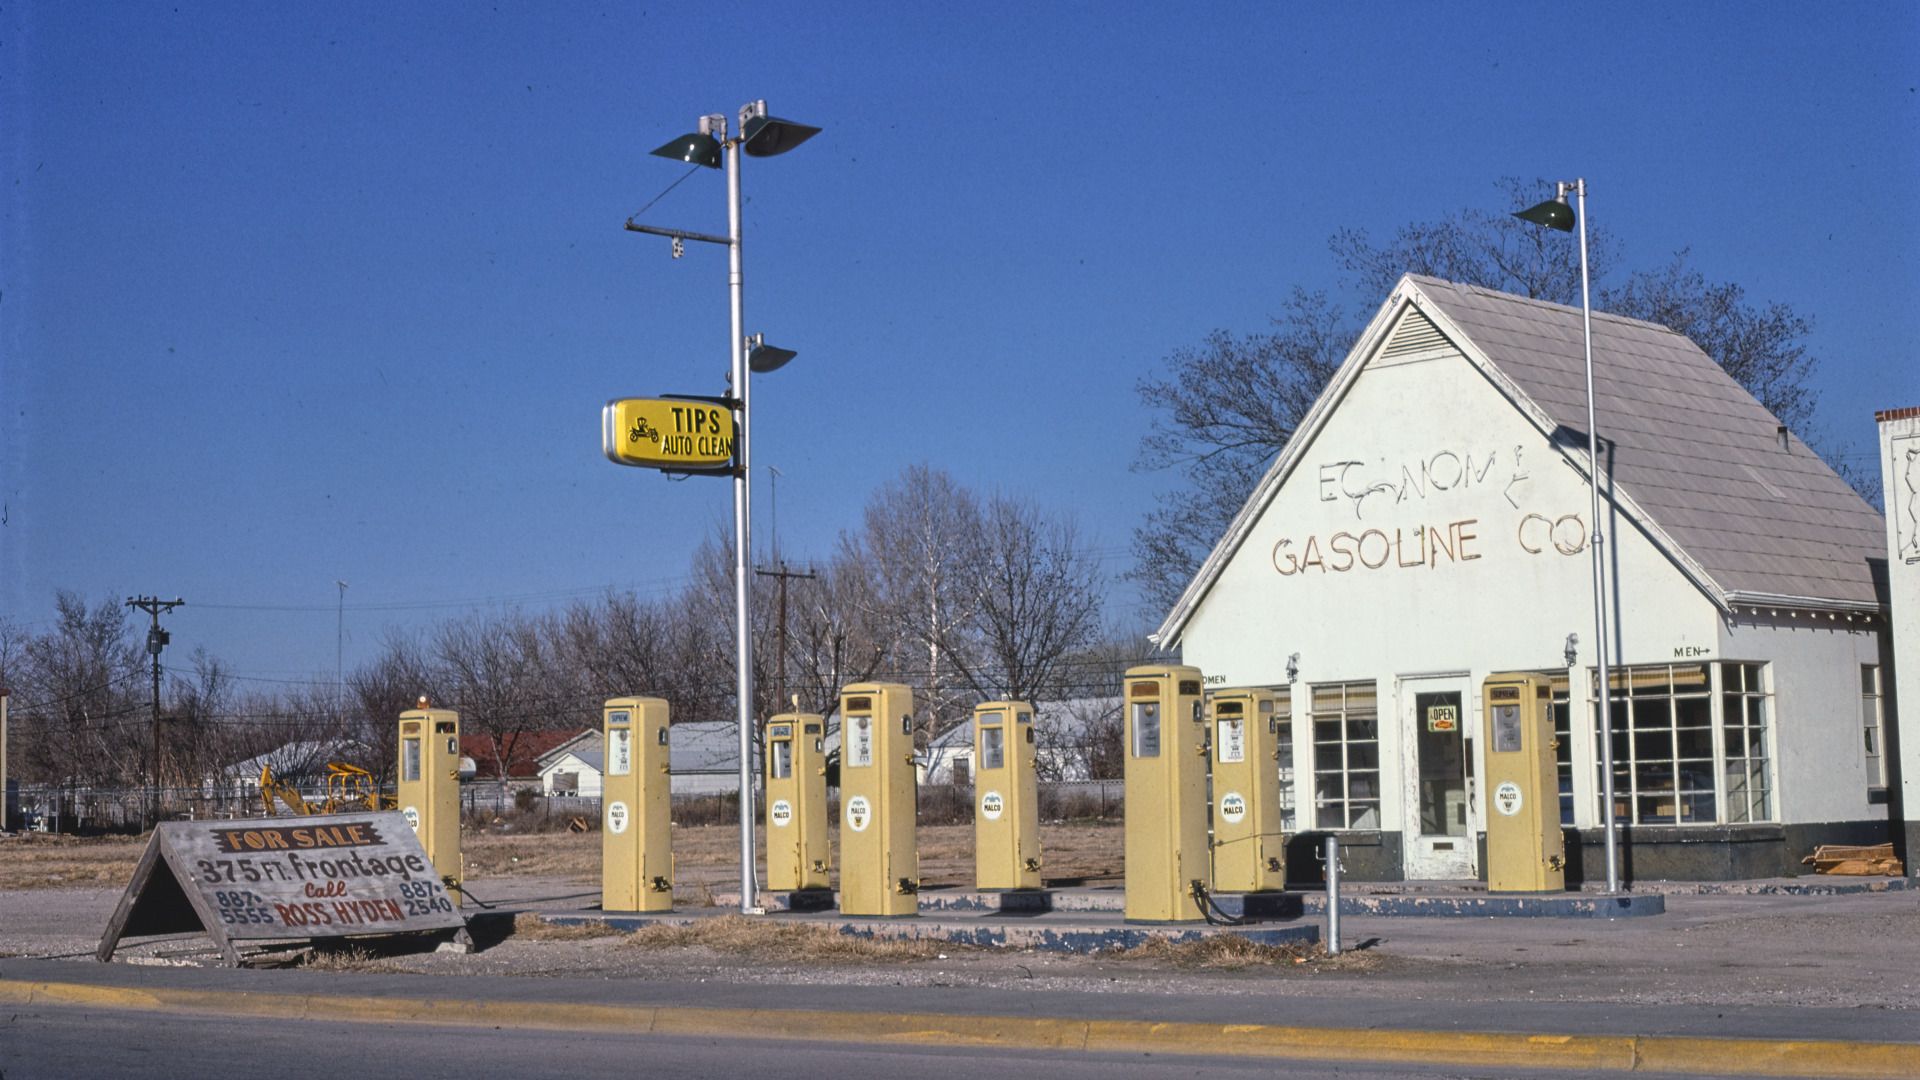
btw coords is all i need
(1556, 214)
(711, 146)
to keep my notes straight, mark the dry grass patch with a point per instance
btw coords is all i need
(771, 941)
(352, 958)
(532, 927)
(1233, 952)
(708, 856)
(46, 861)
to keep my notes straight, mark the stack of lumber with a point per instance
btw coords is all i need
(1875, 860)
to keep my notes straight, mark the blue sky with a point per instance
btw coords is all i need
(299, 293)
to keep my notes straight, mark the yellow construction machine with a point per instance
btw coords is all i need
(349, 787)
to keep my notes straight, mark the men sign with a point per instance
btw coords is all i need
(283, 878)
(668, 433)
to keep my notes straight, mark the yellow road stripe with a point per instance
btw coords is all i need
(1613, 1053)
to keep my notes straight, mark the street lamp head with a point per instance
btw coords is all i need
(697, 147)
(1554, 214)
(765, 136)
(762, 357)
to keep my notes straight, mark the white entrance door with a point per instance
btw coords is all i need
(1438, 794)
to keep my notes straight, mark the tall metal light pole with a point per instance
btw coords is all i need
(760, 136)
(1556, 214)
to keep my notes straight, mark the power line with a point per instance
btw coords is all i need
(653, 586)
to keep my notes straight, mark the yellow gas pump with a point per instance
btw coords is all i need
(1166, 782)
(1249, 850)
(428, 790)
(636, 838)
(1006, 819)
(797, 851)
(879, 856)
(1526, 851)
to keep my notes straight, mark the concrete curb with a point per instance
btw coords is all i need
(1612, 1053)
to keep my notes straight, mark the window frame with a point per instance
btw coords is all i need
(1345, 715)
(1873, 725)
(1739, 699)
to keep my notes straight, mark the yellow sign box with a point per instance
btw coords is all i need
(667, 433)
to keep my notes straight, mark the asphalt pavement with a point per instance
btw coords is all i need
(61, 1045)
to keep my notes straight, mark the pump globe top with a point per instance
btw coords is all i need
(696, 147)
(1554, 214)
(765, 136)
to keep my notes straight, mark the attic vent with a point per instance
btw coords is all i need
(1415, 333)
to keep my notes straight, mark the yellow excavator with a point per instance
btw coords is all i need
(349, 787)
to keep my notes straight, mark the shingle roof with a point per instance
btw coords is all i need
(529, 749)
(1689, 445)
(1686, 446)
(706, 746)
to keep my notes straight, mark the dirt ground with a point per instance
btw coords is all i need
(706, 857)
(40, 861)
(1857, 951)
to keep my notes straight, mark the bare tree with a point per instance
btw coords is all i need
(917, 532)
(1081, 739)
(492, 678)
(80, 713)
(197, 729)
(1036, 600)
(1226, 408)
(618, 645)
(705, 647)
(834, 639)
(383, 688)
(1222, 411)
(1477, 246)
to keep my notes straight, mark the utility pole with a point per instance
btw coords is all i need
(4, 692)
(773, 531)
(157, 640)
(780, 662)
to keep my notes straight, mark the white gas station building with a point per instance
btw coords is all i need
(1427, 526)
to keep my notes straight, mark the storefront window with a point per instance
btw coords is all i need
(1667, 768)
(1563, 741)
(1346, 756)
(1744, 711)
(1282, 720)
(1871, 725)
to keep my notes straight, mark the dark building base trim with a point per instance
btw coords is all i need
(1711, 852)
(1364, 856)
(1647, 852)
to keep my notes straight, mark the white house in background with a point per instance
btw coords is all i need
(1070, 736)
(1427, 526)
(573, 772)
(302, 762)
(704, 759)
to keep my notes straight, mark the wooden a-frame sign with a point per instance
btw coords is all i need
(283, 879)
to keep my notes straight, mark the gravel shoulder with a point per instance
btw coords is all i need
(1856, 951)
(1850, 951)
